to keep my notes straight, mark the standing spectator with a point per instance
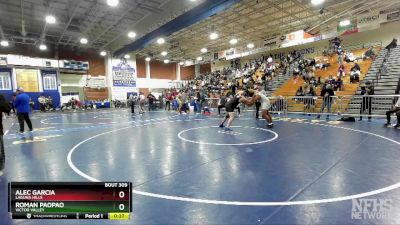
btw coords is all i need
(4, 108)
(132, 100)
(392, 44)
(221, 103)
(23, 108)
(396, 110)
(327, 94)
(366, 103)
(151, 98)
(11, 102)
(168, 100)
(142, 101)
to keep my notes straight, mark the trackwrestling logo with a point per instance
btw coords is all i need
(371, 209)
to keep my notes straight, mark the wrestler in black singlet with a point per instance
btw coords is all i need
(232, 104)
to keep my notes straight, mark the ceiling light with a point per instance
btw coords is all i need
(166, 61)
(127, 56)
(203, 50)
(42, 47)
(148, 59)
(164, 53)
(50, 19)
(160, 41)
(181, 63)
(112, 3)
(250, 45)
(132, 34)
(199, 58)
(317, 2)
(84, 41)
(213, 36)
(344, 23)
(103, 53)
(233, 41)
(4, 43)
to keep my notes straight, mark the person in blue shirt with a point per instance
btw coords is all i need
(23, 108)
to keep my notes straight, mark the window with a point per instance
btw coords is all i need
(49, 82)
(5, 81)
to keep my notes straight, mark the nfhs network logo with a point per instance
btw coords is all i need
(371, 209)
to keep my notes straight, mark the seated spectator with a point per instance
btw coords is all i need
(338, 85)
(355, 73)
(321, 64)
(42, 102)
(349, 57)
(49, 103)
(300, 91)
(331, 80)
(341, 71)
(396, 110)
(309, 102)
(369, 54)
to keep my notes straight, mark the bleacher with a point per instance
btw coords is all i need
(289, 88)
(384, 84)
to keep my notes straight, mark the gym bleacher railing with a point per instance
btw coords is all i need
(365, 105)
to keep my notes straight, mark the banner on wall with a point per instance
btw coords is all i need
(5, 74)
(390, 17)
(368, 21)
(294, 38)
(124, 78)
(49, 78)
(28, 79)
(124, 74)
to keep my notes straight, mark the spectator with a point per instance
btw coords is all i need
(11, 102)
(23, 108)
(310, 101)
(151, 98)
(396, 110)
(327, 94)
(366, 103)
(142, 101)
(42, 103)
(369, 54)
(221, 103)
(392, 44)
(168, 100)
(355, 73)
(349, 57)
(4, 108)
(132, 100)
(338, 86)
(341, 71)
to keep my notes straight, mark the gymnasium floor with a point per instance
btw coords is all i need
(187, 171)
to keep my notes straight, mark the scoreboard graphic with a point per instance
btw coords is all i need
(66, 200)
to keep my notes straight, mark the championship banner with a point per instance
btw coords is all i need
(124, 75)
(28, 79)
(49, 78)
